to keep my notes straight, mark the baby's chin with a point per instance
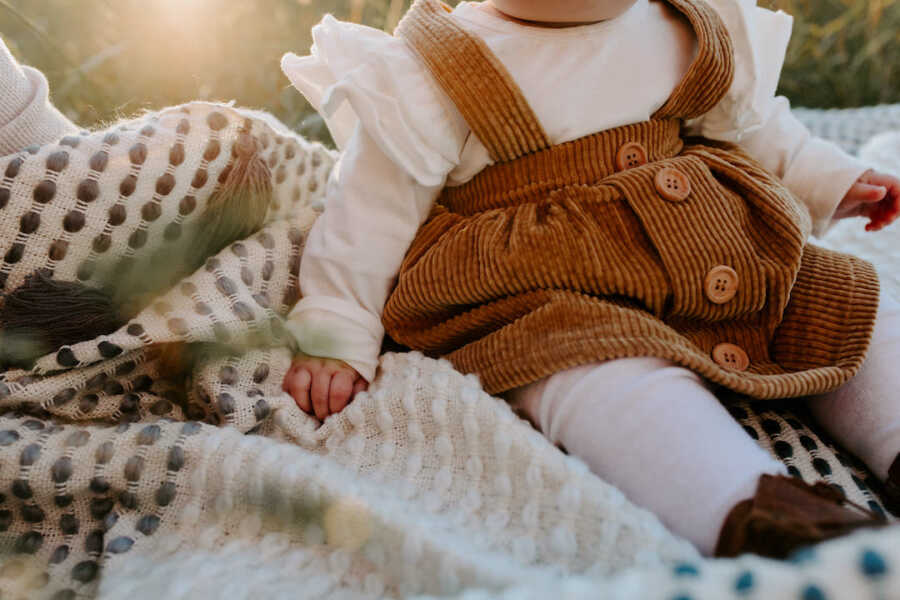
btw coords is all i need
(563, 11)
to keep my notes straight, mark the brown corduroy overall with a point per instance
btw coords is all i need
(629, 242)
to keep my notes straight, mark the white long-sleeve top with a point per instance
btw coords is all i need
(403, 140)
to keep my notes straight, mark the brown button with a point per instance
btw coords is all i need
(631, 155)
(672, 184)
(721, 284)
(731, 357)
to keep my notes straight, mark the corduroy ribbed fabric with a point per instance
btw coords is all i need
(553, 258)
(477, 83)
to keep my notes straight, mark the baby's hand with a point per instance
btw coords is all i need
(874, 195)
(323, 386)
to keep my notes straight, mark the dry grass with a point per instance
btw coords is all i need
(106, 58)
(843, 52)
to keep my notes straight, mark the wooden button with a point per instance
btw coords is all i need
(672, 184)
(731, 357)
(721, 284)
(631, 155)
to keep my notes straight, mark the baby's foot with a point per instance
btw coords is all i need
(786, 514)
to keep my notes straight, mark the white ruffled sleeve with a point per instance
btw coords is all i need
(760, 39)
(400, 136)
(353, 253)
(818, 172)
(360, 75)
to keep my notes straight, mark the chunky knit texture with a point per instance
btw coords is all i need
(26, 116)
(555, 257)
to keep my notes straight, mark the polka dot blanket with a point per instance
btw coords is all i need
(123, 475)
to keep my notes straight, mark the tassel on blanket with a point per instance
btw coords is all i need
(43, 314)
(239, 205)
(235, 210)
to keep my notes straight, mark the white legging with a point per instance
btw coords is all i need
(657, 432)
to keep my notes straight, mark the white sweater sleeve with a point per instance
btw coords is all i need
(818, 172)
(26, 115)
(400, 136)
(353, 253)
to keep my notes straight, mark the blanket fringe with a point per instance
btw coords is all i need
(239, 205)
(234, 211)
(43, 314)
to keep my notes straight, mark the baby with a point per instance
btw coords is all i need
(601, 208)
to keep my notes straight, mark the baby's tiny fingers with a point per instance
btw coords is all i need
(319, 393)
(360, 385)
(298, 383)
(869, 193)
(339, 393)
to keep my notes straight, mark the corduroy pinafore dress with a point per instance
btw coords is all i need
(629, 242)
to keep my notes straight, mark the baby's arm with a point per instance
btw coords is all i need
(26, 115)
(349, 265)
(829, 181)
(833, 184)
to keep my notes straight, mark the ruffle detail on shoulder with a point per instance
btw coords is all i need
(760, 38)
(358, 75)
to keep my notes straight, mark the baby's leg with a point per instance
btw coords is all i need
(864, 414)
(653, 430)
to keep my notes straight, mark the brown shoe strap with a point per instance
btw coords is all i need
(792, 498)
(892, 487)
(786, 514)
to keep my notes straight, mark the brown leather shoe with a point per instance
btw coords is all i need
(892, 488)
(786, 514)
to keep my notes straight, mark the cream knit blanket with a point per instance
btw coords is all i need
(116, 481)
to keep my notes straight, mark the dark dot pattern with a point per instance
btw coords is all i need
(200, 178)
(128, 185)
(821, 466)
(744, 583)
(29, 543)
(117, 214)
(88, 191)
(29, 222)
(813, 592)
(783, 449)
(58, 250)
(807, 451)
(45, 191)
(217, 121)
(187, 205)
(165, 184)
(212, 150)
(57, 161)
(138, 153)
(85, 571)
(872, 564)
(248, 280)
(172, 231)
(99, 161)
(74, 221)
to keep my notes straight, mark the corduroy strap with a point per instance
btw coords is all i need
(710, 75)
(478, 84)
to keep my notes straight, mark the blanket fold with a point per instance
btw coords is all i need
(122, 476)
